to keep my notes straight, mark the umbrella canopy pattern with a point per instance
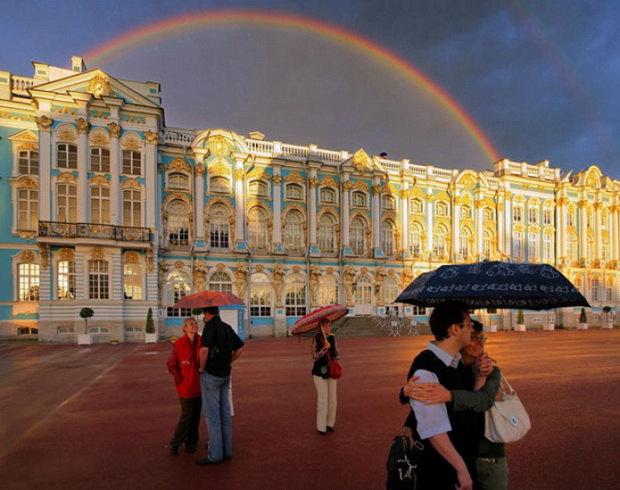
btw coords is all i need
(204, 299)
(494, 285)
(310, 321)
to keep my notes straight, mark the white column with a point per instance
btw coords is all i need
(376, 214)
(456, 230)
(560, 232)
(150, 169)
(479, 226)
(598, 231)
(239, 204)
(501, 228)
(404, 222)
(344, 199)
(83, 204)
(277, 211)
(312, 208)
(115, 174)
(429, 222)
(44, 124)
(582, 230)
(508, 227)
(199, 201)
(615, 223)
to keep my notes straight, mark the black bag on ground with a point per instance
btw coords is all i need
(402, 462)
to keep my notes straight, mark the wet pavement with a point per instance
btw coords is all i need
(99, 417)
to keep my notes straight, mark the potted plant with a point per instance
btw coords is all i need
(85, 339)
(583, 320)
(520, 326)
(607, 323)
(150, 337)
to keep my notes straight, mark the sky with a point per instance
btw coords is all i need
(451, 83)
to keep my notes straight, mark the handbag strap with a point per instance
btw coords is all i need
(510, 390)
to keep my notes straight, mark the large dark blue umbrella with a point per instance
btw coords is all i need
(494, 285)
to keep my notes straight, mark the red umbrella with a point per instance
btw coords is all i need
(310, 321)
(204, 299)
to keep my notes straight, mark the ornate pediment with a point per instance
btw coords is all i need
(361, 161)
(295, 177)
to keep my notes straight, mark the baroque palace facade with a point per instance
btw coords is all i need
(103, 206)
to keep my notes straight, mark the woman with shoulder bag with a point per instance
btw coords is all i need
(323, 352)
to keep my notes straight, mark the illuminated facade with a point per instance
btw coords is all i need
(105, 207)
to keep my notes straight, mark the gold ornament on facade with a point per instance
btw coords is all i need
(219, 146)
(295, 177)
(66, 254)
(99, 138)
(277, 275)
(219, 267)
(97, 253)
(44, 123)
(149, 261)
(44, 254)
(199, 169)
(99, 86)
(131, 257)
(131, 143)
(376, 190)
(24, 183)
(239, 174)
(347, 186)
(66, 133)
(27, 257)
(83, 125)
(178, 165)
(115, 130)
(276, 179)
(259, 268)
(219, 169)
(361, 161)
(313, 182)
(258, 174)
(329, 181)
(360, 185)
(99, 180)
(179, 264)
(200, 277)
(131, 184)
(151, 137)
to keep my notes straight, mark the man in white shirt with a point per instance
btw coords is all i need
(449, 438)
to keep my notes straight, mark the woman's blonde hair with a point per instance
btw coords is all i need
(187, 320)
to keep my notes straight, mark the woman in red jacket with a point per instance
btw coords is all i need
(183, 365)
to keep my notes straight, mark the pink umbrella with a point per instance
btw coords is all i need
(310, 321)
(204, 299)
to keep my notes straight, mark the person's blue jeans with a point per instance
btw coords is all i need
(216, 405)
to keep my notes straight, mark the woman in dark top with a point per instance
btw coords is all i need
(323, 343)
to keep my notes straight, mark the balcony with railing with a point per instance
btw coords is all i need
(54, 229)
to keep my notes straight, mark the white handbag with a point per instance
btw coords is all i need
(507, 420)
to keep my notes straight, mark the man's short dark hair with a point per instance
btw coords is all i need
(445, 315)
(213, 310)
(476, 325)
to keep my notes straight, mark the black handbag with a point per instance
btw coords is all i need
(402, 462)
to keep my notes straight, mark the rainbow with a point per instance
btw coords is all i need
(184, 24)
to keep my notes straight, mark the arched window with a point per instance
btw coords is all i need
(488, 244)
(488, 214)
(100, 205)
(416, 206)
(391, 289)
(27, 209)
(260, 295)
(547, 216)
(359, 199)
(177, 223)
(132, 207)
(548, 254)
(295, 295)
(132, 164)
(415, 239)
(328, 289)
(363, 291)
(28, 162)
(100, 160)
(66, 279)
(466, 212)
(66, 155)
(177, 286)
(258, 188)
(294, 192)
(570, 216)
(532, 246)
(327, 195)
(257, 231)
(67, 203)
(532, 215)
(293, 231)
(220, 185)
(440, 241)
(596, 288)
(98, 280)
(219, 227)
(358, 235)
(605, 249)
(220, 282)
(28, 281)
(441, 208)
(327, 233)
(387, 237)
(389, 202)
(517, 244)
(517, 214)
(132, 281)
(178, 180)
(466, 242)
(571, 248)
